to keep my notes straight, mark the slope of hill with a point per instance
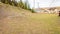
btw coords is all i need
(15, 20)
(7, 10)
(10, 16)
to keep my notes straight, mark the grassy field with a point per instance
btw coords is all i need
(34, 24)
(49, 23)
(20, 21)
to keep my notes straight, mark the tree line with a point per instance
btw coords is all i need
(21, 4)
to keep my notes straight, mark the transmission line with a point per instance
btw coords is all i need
(52, 2)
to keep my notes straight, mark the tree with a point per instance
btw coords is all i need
(10, 2)
(3, 1)
(6, 1)
(14, 3)
(21, 4)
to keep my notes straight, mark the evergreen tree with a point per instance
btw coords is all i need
(3, 1)
(6, 1)
(10, 2)
(21, 4)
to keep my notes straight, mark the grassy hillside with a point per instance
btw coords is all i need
(8, 10)
(15, 20)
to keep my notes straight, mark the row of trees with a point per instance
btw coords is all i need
(21, 4)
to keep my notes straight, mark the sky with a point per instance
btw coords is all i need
(43, 3)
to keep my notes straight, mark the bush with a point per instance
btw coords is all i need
(33, 11)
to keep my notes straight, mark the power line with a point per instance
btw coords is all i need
(52, 2)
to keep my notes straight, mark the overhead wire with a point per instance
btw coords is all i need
(52, 2)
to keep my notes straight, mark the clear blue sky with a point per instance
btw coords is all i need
(43, 3)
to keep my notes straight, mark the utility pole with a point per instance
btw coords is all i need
(38, 4)
(27, 3)
(34, 4)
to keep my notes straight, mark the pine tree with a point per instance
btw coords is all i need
(10, 2)
(3, 1)
(6, 1)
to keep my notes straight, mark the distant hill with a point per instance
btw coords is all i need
(48, 9)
